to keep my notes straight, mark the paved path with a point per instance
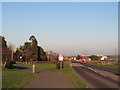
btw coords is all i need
(47, 79)
(50, 80)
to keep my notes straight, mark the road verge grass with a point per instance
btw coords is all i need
(111, 66)
(77, 82)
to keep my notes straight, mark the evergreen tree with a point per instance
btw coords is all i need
(78, 57)
(3, 42)
(33, 52)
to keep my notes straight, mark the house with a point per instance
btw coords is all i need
(103, 57)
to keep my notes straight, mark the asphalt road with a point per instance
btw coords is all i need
(93, 79)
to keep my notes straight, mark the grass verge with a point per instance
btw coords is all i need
(15, 78)
(111, 66)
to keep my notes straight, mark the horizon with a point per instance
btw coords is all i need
(66, 28)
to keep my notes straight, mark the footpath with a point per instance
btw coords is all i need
(49, 80)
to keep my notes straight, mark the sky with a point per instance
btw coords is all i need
(68, 28)
(60, 0)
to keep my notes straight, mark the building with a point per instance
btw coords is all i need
(103, 57)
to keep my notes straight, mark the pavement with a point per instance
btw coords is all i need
(48, 79)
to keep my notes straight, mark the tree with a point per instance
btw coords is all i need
(34, 41)
(31, 51)
(34, 48)
(16, 55)
(6, 53)
(94, 57)
(3, 42)
(19, 52)
(52, 56)
(78, 57)
(41, 54)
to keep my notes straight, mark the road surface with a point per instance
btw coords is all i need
(93, 79)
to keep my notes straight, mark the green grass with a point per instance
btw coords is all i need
(68, 70)
(77, 82)
(42, 66)
(111, 66)
(114, 62)
(15, 78)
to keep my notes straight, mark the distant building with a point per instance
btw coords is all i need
(74, 58)
(103, 57)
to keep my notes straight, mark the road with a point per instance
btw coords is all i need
(93, 79)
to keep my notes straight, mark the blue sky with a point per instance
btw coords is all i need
(67, 28)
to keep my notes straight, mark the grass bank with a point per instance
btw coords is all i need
(68, 70)
(15, 78)
(111, 66)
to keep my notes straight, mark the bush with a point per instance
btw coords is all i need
(9, 64)
(78, 57)
(94, 57)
